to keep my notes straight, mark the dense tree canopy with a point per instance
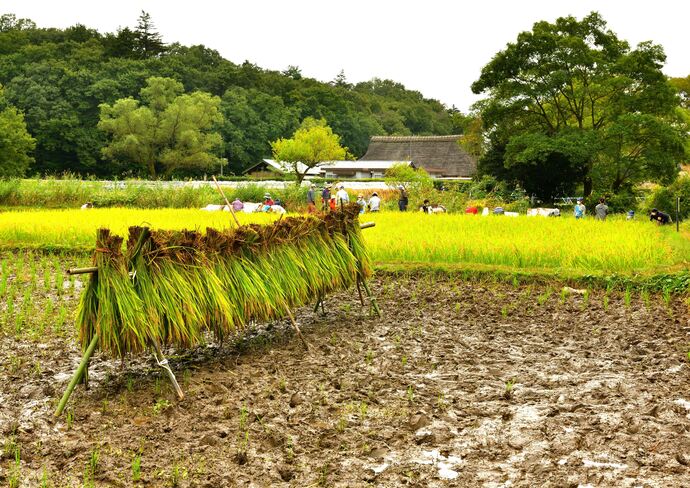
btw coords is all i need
(60, 77)
(173, 131)
(571, 99)
(15, 142)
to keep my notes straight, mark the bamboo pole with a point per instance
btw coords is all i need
(163, 363)
(76, 271)
(226, 201)
(367, 225)
(374, 305)
(359, 290)
(77, 375)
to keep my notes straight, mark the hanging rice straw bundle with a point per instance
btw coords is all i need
(174, 287)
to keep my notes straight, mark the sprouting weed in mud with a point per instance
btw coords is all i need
(397, 340)
(334, 339)
(585, 299)
(16, 471)
(410, 394)
(341, 425)
(15, 364)
(458, 307)
(346, 307)
(69, 418)
(243, 435)
(666, 295)
(59, 282)
(363, 408)
(289, 449)
(46, 280)
(541, 299)
(136, 467)
(157, 389)
(44, 478)
(161, 405)
(369, 357)
(504, 311)
(605, 303)
(129, 384)
(516, 282)
(93, 463)
(404, 360)
(508, 390)
(323, 475)
(186, 377)
(177, 474)
(282, 384)
(104, 406)
(644, 296)
(441, 402)
(627, 297)
(564, 295)
(37, 368)
(61, 318)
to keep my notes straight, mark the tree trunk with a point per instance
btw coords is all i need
(587, 186)
(299, 178)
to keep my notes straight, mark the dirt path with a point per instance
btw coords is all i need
(461, 384)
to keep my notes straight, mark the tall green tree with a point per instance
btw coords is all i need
(312, 144)
(148, 42)
(170, 132)
(572, 95)
(16, 144)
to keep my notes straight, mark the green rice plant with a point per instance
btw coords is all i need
(627, 297)
(136, 467)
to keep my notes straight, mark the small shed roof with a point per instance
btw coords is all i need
(361, 165)
(283, 167)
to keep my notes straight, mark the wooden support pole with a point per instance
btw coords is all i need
(76, 271)
(77, 375)
(232, 211)
(374, 305)
(163, 363)
(359, 290)
(296, 327)
(318, 302)
(367, 225)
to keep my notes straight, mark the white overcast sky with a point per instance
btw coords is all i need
(436, 47)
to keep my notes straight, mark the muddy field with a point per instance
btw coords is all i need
(460, 384)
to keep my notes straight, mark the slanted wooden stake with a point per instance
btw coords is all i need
(77, 375)
(296, 327)
(163, 363)
(232, 211)
(374, 305)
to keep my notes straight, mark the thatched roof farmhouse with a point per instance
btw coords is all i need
(440, 156)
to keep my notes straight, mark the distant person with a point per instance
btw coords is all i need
(268, 200)
(659, 217)
(374, 202)
(341, 197)
(237, 205)
(325, 197)
(499, 211)
(362, 203)
(403, 200)
(426, 207)
(332, 204)
(472, 210)
(601, 210)
(580, 209)
(87, 206)
(311, 199)
(279, 209)
(630, 215)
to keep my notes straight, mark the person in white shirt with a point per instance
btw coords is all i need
(341, 197)
(374, 202)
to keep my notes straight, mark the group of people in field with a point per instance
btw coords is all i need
(601, 211)
(331, 201)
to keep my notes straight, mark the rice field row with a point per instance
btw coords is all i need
(565, 244)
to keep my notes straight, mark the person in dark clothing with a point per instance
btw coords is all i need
(426, 207)
(660, 218)
(311, 199)
(326, 198)
(403, 200)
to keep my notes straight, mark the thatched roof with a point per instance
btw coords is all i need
(439, 155)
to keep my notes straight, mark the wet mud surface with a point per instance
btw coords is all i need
(459, 384)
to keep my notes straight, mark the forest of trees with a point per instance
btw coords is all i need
(62, 80)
